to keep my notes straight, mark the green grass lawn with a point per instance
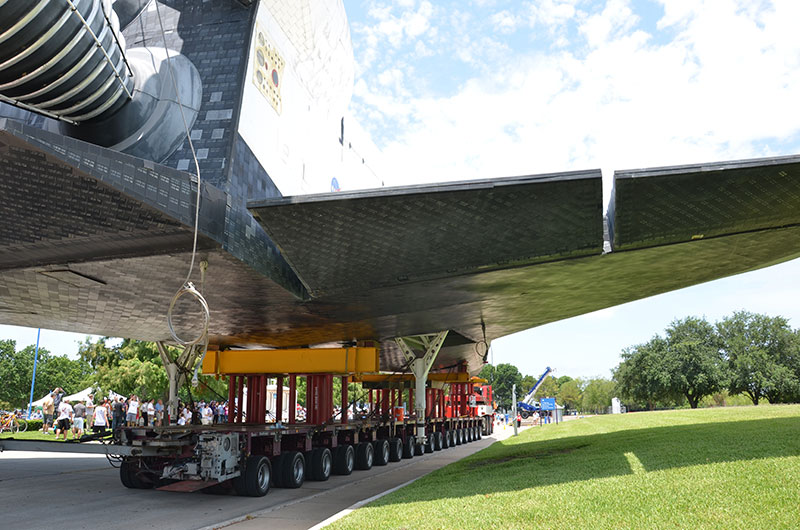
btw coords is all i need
(723, 468)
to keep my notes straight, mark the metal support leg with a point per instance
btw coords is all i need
(420, 366)
(176, 373)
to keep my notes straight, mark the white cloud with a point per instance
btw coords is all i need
(723, 86)
(505, 21)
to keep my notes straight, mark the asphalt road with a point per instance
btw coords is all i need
(57, 490)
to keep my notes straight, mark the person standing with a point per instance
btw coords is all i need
(78, 417)
(118, 414)
(64, 419)
(144, 413)
(151, 413)
(159, 408)
(48, 407)
(133, 409)
(206, 415)
(100, 420)
(58, 394)
(89, 410)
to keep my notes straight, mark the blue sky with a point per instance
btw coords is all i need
(488, 88)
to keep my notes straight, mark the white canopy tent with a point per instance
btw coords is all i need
(79, 396)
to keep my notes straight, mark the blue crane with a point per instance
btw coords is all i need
(528, 405)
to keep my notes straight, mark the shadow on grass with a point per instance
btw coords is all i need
(579, 458)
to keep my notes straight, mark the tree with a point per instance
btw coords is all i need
(693, 360)
(98, 353)
(569, 393)
(16, 372)
(563, 379)
(759, 350)
(503, 377)
(133, 376)
(643, 375)
(597, 395)
(548, 388)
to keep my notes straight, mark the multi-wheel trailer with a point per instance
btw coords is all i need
(248, 454)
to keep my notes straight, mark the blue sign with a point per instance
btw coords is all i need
(335, 185)
(548, 403)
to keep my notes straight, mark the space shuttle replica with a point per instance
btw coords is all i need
(119, 118)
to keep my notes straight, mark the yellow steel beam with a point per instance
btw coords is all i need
(456, 377)
(293, 361)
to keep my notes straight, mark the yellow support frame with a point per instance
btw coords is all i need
(293, 361)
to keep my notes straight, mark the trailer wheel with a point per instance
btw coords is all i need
(459, 436)
(381, 452)
(344, 460)
(446, 440)
(419, 449)
(125, 475)
(255, 477)
(524, 414)
(130, 477)
(365, 456)
(277, 465)
(408, 448)
(428, 447)
(395, 450)
(293, 470)
(437, 441)
(321, 464)
(478, 432)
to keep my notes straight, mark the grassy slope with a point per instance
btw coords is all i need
(709, 468)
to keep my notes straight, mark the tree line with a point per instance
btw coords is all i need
(584, 395)
(748, 354)
(127, 367)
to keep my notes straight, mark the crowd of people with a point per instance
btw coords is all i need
(75, 417)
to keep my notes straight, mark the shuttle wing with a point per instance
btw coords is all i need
(96, 241)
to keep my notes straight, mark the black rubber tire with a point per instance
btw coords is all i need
(344, 459)
(395, 450)
(437, 441)
(131, 478)
(428, 446)
(408, 447)
(458, 436)
(255, 478)
(469, 434)
(419, 449)
(524, 414)
(125, 475)
(446, 440)
(277, 477)
(365, 456)
(478, 433)
(293, 470)
(381, 448)
(321, 464)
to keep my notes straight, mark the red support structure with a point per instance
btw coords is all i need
(384, 401)
(231, 394)
(371, 405)
(410, 400)
(239, 404)
(279, 399)
(345, 402)
(292, 398)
